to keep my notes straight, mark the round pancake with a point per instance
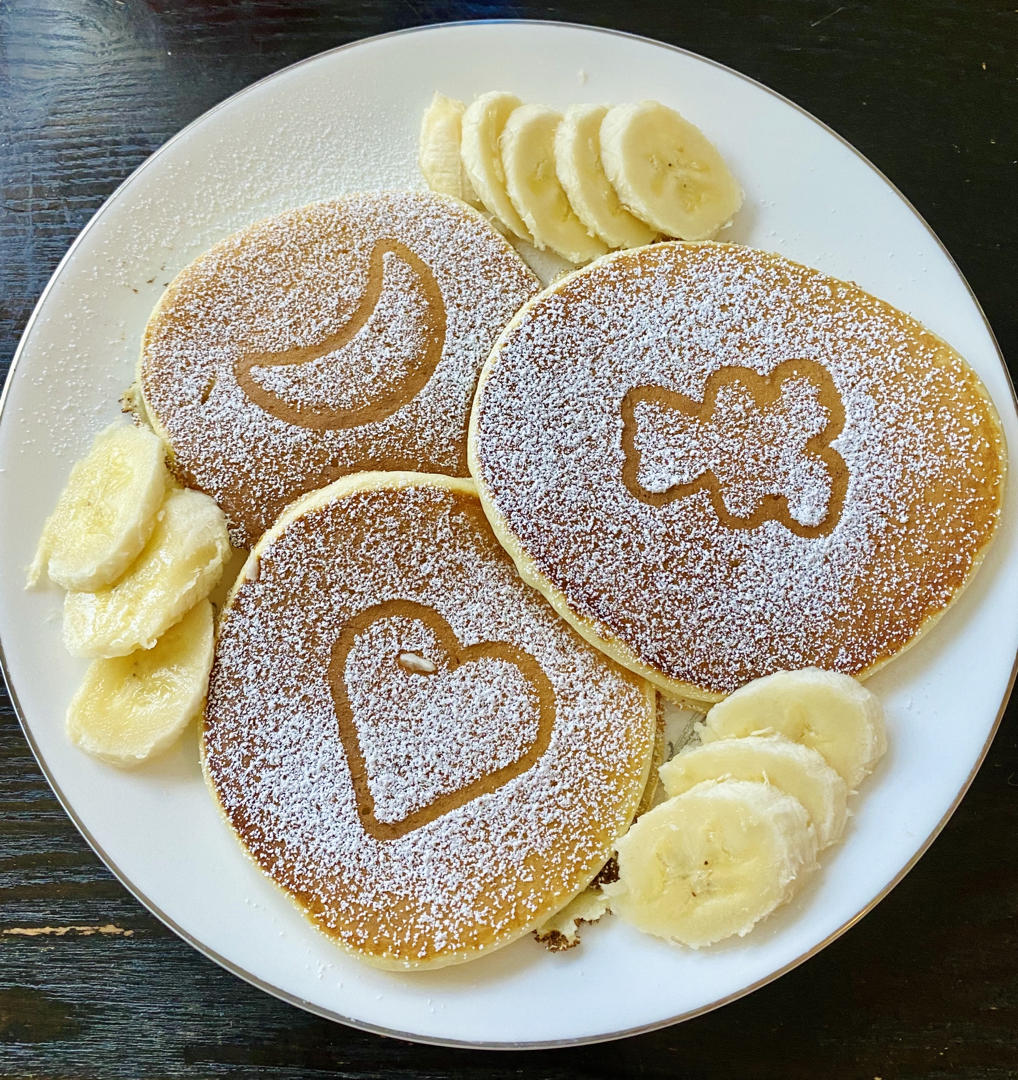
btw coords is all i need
(405, 737)
(341, 336)
(717, 463)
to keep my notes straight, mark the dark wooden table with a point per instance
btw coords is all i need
(93, 986)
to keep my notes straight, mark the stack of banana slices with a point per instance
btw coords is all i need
(582, 182)
(139, 557)
(749, 808)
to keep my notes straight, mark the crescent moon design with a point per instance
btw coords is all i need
(330, 417)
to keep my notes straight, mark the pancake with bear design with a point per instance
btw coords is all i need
(405, 737)
(341, 336)
(717, 463)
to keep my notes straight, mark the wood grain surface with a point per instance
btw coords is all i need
(91, 985)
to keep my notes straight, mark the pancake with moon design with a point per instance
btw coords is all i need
(341, 336)
(404, 735)
(717, 463)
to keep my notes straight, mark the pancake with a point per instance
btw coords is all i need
(717, 463)
(342, 336)
(405, 737)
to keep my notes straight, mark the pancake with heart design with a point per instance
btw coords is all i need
(405, 736)
(717, 463)
(341, 336)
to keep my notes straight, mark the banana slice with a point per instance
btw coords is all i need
(527, 146)
(131, 707)
(439, 149)
(825, 710)
(581, 174)
(792, 768)
(666, 171)
(483, 122)
(712, 861)
(179, 566)
(106, 513)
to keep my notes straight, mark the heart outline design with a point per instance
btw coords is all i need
(329, 418)
(765, 389)
(458, 655)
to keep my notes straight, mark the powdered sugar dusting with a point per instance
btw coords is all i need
(472, 877)
(384, 351)
(424, 735)
(703, 603)
(290, 282)
(753, 450)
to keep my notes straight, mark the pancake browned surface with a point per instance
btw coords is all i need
(718, 463)
(405, 736)
(341, 336)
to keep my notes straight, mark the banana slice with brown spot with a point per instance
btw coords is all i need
(712, 862)
(581, 173)
(667, 172)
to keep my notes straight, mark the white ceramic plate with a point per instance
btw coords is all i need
(348, 120)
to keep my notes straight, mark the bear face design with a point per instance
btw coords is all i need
(759, 445)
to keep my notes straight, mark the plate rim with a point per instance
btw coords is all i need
(293, 999)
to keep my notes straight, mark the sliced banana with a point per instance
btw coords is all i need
(527, 146)
(131, 707)
(483, 122)
(439, 149)
(581, 174)
(179, 566)
(825, 710)
(666, 171)
(106, 513)
(712, 861)
(792, 768)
